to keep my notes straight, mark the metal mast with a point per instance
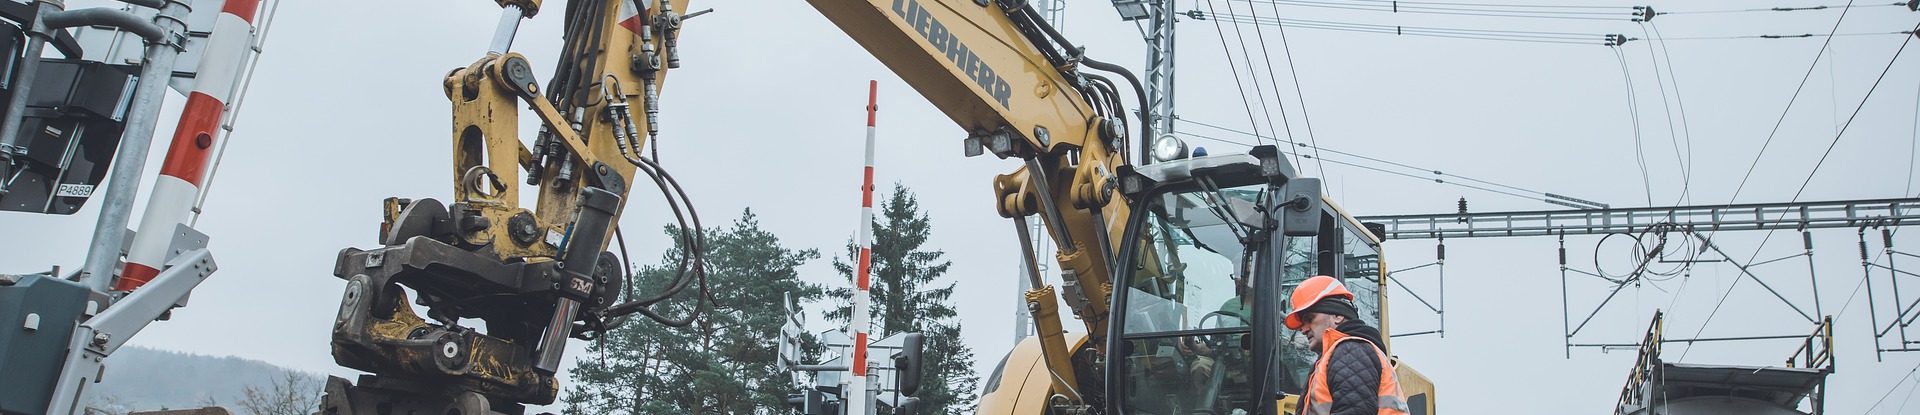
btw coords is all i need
(1159, 36)
(1158, 32)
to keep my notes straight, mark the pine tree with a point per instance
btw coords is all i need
(722, 363)
(909, 294)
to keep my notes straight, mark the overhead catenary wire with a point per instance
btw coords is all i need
(1613, 12)
(1438, 174)
(1425, 174)
(1285, 123)
(1492, 5)
(1907, 399)
(1791, 36)
(1293, 73)
(1913, 146)
(1673, 132)
(1896, 386)
(1227, 52)
(1633, 113)
(1568, 38)
(1686, 169)
(1775, 131)
(1260, 94)
(1438, 32)
(1779, 9)
(1359, 166)
(1665, 60)
(1817, 164)
(1244, 19)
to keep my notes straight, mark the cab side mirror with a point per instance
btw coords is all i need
(1300, 207)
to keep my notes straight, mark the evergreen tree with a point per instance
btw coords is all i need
(721, 363)
(909, 294)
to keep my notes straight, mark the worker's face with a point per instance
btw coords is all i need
(1317, 325)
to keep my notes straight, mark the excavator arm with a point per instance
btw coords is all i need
(1015, 87)
(535, 277)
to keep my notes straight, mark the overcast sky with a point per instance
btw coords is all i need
(767, 114)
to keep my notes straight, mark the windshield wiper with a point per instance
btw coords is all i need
(1218, 204)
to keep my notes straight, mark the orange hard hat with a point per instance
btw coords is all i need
(1312, 291)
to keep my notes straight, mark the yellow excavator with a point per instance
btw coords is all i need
(1178, 268)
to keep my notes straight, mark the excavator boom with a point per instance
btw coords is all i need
(1016, 89)
(973, 62)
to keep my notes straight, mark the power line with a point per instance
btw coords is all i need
(1913, 147)
(1444, 3)
(1686, 177)
(1672, 132)
(1817, 164)
(1896, 386)
(1622, 13)
(1403, 174)
(1437, 176)
(1633, 111)
(1435, 172)
(1567, 12)
(1909, 398)
(1529, 33)
(1228, 53)
(1300, 93)
(1790, 36)
(1784, 111)
(1686, 162)
(1781, 9)
(1495, 35)
(1438, 32)
(1247, 57)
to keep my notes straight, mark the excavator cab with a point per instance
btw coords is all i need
(1212, 245)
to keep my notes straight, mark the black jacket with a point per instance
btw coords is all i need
(1353, 372)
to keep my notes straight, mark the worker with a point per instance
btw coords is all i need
(1352, 375)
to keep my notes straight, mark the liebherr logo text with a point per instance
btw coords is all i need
(957, 52)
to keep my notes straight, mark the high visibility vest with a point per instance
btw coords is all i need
(1318, 400)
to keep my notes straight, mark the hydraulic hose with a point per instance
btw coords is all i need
(1146, 130)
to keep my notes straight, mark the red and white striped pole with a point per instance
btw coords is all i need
(857, 391)
(185, 167)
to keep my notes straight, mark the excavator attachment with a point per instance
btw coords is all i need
(534, 276)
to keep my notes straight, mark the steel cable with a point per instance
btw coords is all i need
(1686, 177)
(1272, 79)
(1617, 13)
(1633, 111)
(1438, 175)
(1228, 53)
(1247, 57)
(1673, 132)
(1821, 162)
(1349, 164)
(1293, 73)
(1480, 34)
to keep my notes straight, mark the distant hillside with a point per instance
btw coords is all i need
(147, 379)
